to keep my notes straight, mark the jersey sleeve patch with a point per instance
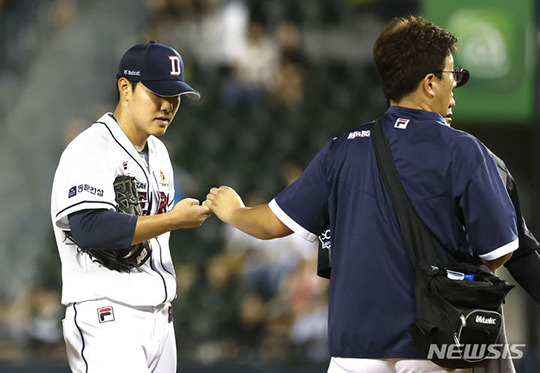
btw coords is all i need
(84, 188)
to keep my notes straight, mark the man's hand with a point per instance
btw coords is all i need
(224, 202)
(258, 221)
(188, 213)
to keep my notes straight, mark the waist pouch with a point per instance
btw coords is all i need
(458, 313)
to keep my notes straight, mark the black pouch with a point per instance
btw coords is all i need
(458, 318)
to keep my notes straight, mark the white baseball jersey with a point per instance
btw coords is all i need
(84, 180)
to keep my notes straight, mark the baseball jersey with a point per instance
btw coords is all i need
(454, 186)
(84, 180)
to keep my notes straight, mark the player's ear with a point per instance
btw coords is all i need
(427, 85)
(123, 86)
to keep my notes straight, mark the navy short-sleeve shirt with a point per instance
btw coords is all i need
(454, 186)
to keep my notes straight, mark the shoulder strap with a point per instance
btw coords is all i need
(422, 245)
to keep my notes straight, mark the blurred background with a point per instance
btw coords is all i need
(278, 80)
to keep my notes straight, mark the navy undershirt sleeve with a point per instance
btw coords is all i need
(524, 265)
(102, 229)
(525, 270)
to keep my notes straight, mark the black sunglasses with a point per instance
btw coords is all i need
(460, 75)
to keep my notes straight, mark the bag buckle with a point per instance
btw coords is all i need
(456, 340)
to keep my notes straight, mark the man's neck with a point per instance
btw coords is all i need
(137, 138)
(412, 101)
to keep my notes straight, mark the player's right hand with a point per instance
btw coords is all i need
(223, 201)
(189, 213)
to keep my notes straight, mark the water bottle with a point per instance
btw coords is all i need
(453, 275)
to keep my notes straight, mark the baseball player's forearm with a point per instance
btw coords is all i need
(151, 226)
(187, 213)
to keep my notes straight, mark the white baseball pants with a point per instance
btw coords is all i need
(345, 365)
(104, 336)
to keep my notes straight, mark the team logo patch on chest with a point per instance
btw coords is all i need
(105, 314)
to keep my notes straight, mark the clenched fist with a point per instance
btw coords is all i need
(224, 202)
(188, 213)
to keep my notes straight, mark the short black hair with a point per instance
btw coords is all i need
(407, 50)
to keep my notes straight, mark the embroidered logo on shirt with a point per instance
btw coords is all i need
(325, 240)
(401, 123)
(84, 188)
(355, 134)
(162, 175)
(72, 192)
(105, 314)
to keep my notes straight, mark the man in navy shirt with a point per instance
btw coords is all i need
(450, 177)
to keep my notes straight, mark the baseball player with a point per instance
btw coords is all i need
(121, 321)
(449, 176)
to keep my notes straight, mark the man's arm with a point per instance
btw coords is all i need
(259, 222)
(524, 266)
(187, 213)
(106, 229)
(100, 228)
(525, 270)
(496, 263)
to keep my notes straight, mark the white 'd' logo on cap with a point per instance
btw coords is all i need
(175, 65)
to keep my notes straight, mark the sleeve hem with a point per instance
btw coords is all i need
(501, 251)
(289, 222)
(61, 218)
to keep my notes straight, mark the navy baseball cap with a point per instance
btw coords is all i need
(159, 67)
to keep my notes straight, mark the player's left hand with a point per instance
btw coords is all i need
(223, 201)
(188, 213)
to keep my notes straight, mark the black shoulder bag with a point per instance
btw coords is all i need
(458, 304)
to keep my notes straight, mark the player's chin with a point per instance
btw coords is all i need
(448, 120)
(159, 130)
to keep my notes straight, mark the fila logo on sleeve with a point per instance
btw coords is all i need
(175, 66)
(105, 314)
(401, 123)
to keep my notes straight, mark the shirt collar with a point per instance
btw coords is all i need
(110, 121)
(415, 114)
